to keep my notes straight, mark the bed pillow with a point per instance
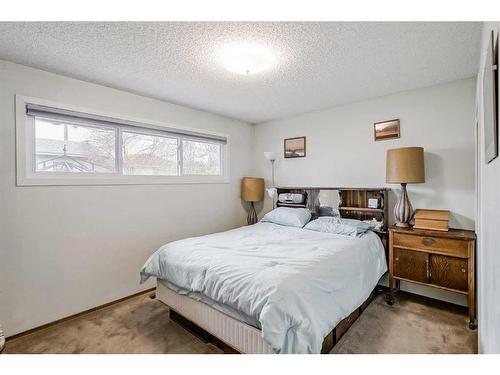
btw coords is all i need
(291, 217)
(337, 225)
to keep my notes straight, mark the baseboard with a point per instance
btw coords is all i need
(50, 324)
(430, 301)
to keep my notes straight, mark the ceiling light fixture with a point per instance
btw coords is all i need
(247, 58)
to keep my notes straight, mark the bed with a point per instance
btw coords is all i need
(268, 288)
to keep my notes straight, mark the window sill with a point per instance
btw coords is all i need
(40, 180)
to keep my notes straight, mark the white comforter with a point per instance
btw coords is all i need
(297, 283)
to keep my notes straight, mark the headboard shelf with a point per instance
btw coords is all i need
(334, 188)
(353, 203)
(361, 209)
(297, 205)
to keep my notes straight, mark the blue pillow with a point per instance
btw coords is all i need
(292, 217)
(337, 225)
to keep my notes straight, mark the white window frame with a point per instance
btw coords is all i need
(25, 148)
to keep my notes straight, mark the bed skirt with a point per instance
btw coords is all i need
(240, 336)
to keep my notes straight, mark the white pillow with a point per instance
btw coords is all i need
(337, 225)
(292, 217)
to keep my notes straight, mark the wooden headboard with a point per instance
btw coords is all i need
(353, 203)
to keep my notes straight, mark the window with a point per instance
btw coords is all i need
(145, 154)
(64, 147)
(58, 145)
(201, 158)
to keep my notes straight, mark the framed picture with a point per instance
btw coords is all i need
(490, 103)
(295, 147)
(386, 130)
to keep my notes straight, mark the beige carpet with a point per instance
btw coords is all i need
(137, 325)
(140, 325)
(412, 325)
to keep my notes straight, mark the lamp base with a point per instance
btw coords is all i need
(2, 340)
(403, 211)
(402, 225)
(252, 215)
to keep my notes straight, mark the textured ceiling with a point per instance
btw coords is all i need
(319, 65)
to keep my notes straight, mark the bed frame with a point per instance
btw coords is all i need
(234, 336)
(211, 325)
(231, 335)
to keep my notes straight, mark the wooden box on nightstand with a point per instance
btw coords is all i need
(444, 260)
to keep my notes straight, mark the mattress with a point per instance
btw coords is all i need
(295, 283)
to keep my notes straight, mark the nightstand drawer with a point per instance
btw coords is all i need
(411, 265)
(449, 246)
(448, 272)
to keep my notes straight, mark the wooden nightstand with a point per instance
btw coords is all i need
(444, 260)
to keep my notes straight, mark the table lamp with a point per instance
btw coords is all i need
(252, 190)
(404, 166)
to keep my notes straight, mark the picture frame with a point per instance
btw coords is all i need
(384, 130)
(294, 147)
(490, 96)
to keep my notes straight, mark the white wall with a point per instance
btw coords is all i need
(488, 230)
(65, 249)
(341, 150)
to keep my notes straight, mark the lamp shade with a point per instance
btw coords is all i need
(270, 155)
(405, 165)
(252, 189)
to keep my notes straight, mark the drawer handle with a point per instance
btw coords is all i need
(428, 241)
(397, 259)
(463, 270)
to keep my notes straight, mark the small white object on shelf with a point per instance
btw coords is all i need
(291, 198)
(372, 203)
